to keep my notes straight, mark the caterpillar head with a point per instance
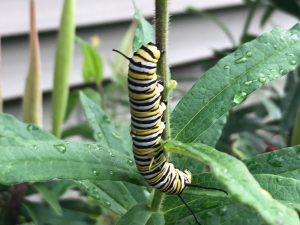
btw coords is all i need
(187, 177)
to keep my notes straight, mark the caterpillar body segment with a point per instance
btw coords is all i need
(147, 107)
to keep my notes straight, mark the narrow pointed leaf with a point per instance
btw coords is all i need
(32, 100)
(50, 198)
(233, 78)
(144, 31)
(63, 65)
(104, 130)
(238, 181)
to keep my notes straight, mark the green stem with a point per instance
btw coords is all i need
(296, 131)
(250, 17)
(161, 26)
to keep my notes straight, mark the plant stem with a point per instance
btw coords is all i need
(296, 131)
(250, 17)
(161, 32)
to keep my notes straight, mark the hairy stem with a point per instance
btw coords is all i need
(161, 26)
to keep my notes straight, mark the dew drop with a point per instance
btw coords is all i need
(99, 135)
(116, 135)
(106, 119)
(275, 161)
(130, 162)
(111, 154)
(107, 203)
(61, 148)
(241, 60)
(248, 82)
(275, 47)
(262, 80)
(293, 62)
(31, 127)
(290, 54)
(99, 147)
(96, 172)
(249, 54)
(111, 172)
(226, 67)
(222, 210)
(96, 196)
(34, 147)
(240, 97)
(282, 71)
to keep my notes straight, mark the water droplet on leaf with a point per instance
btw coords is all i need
(240, 97)
(116, 135)
(106, 119)
(96, 172)
(107, 203)
(226, 67)
(111, 172)
(248, 82)
(248, 54)
(293, 62)
(130, 162)
(275, 161)
(222, 210)
(60, 147)
(31, 127)
(241, 60)
(262, 80)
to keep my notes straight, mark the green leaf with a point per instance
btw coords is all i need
(233, 78)
(93, 65)
(30, 154)
(141, 215)
(209, 210)
(120, 64)
(281, 188)
(284, 162)
(104, 131)
(112, 195)
(50, 198)
(144, 31)
(63, 65)
(243, 188)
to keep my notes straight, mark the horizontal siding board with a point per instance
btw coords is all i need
(14, 13)
(192, 38)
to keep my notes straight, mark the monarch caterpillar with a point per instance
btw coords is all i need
(147, 107)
